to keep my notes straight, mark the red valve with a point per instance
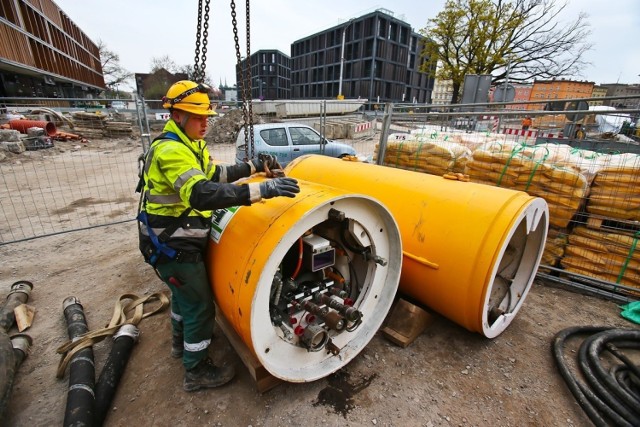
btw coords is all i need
(299, 330)
(348, 301)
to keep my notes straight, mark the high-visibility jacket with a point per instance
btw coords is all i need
(179, 174)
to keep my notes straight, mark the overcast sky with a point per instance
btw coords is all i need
(139, 30)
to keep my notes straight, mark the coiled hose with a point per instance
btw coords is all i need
(607, 397)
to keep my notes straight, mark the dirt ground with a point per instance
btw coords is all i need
(447, 377)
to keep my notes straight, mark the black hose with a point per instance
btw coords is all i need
(80, 397)
(19, 294)
(123, 342)
(603, 405)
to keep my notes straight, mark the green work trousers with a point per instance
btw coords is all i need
(192, 309)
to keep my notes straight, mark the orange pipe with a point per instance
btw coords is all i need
(460, 239)
(23, 125)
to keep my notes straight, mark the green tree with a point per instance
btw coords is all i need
(113, 72)
(483, 36)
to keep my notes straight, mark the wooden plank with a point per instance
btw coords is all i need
(405, 323)
(263, 379)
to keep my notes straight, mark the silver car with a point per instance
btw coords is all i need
(288, 141)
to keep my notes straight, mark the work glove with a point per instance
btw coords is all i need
(287, 187)
(265, 162)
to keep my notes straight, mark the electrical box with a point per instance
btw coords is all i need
(318, 252)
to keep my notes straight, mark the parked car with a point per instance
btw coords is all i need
(288, 141)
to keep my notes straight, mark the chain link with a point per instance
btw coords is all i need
(247, 119)
(196, 67)
(249, 76)
(205, 37)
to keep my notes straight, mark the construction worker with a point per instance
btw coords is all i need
(181, 188)
(579, 133)
(526, 123)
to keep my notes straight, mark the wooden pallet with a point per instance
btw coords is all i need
(263, 379)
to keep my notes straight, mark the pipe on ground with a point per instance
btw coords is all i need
(13, 350)
(471, 251)
(123, 342)
(18, 295)
(23, 125)
(80, 397)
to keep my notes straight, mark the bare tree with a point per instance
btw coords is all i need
(483, 36)
(113, 72)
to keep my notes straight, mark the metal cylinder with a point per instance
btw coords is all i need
(107, 385)
(23, 125)
(80, 396)
(471, 251)
(19, 294)
(247, 248)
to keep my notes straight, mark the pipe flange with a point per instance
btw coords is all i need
(21, 342)
(23, 286)
(128, 330)
(69, 301)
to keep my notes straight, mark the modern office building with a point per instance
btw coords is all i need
(270, 75)
(44, 54)
(381, 62)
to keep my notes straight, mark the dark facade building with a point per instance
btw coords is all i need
(381, 62)
(44, 54)
(270, 75)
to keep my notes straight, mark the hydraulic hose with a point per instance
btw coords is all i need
(12, 352)
(80, 397)
(123, 342)
(19, 294)
(608, 401)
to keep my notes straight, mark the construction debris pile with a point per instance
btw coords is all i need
(225, 127)
(99, 125)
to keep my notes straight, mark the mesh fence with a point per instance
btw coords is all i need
(591, 181)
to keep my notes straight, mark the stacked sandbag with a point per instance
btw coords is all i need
(524, 168)
(554, 246)
(423, 154)
(615, 191)
(613, 257)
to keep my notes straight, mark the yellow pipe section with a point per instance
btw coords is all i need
(465, 245)
(247, 245)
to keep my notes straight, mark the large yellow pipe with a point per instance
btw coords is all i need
(246, 251)
(471, 251)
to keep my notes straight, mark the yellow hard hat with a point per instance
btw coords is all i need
(189, 96)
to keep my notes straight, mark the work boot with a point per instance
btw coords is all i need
(207, 375)
(177, 346)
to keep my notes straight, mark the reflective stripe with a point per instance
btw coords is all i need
(176, 317)
(252, 166)
(185, 177)
(223, 174)
(254, 192)
(180, 232)
(164, 199)
(202, 345)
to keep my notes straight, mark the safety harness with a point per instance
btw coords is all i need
(159, 242)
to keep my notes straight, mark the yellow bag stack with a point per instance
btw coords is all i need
(531, 169)
(615, 192)
(613, 257)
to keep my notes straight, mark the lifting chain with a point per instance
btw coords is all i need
(202, 34)
(245, 80)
